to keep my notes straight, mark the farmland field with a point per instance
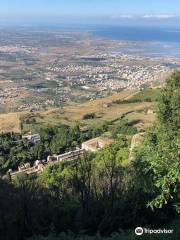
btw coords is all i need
(104, 110)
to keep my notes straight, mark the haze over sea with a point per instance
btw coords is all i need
(153, 40)
(160, 41)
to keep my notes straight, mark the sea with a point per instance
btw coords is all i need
(150, 40)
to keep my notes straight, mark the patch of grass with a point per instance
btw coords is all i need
(148, 95)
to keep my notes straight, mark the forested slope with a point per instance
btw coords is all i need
(105, 192)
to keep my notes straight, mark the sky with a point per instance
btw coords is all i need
(90, 10)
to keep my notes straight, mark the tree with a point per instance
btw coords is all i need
(169, 103)
(158, 159)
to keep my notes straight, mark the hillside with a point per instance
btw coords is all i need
(104, 109)
(101, 194)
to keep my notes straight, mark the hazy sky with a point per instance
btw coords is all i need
(98, 9)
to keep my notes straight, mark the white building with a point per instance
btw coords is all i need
(33, 138)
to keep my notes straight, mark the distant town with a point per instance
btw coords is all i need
(57, 68)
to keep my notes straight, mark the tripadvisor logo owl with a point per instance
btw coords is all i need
(139, 231)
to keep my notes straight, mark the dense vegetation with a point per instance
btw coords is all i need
(102, 193)
(158, 159)
(15, 151)
(123, 127)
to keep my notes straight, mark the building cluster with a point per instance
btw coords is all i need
(34, 107)
(110, 72)
(95, 76)
(92, 145)
(15, 49)
(8, 94)
(27, 169)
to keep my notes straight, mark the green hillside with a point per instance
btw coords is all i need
(133, 181)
